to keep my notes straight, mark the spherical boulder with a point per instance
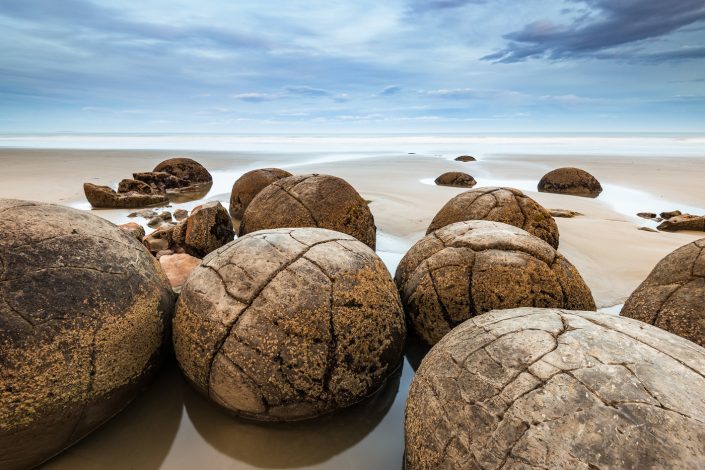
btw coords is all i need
(469, 268)
(572, 181)
(186, 169)
(84, 311)
(548, 388)
(311, 201)
(289, 324)
(456, 179)
(249, 185)
(506, 205)
(673, 295)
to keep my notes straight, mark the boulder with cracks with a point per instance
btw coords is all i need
(548, 388)
(289, 324)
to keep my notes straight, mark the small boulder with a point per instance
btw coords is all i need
(130, 185)
(207, 228)
(672, 297)
(165, 216)
(563, 213)
(104, 197)
(160, 182)
(646, 215)
(249, 185)
(311, 201)
(134, 229)
(465, 158)
(161, 239)
(456, 179)
(572, 181)
(144, 213)
(668, 215)
(180, 214)
(683, 222)
(178, 267)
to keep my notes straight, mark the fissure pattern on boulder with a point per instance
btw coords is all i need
(534, 405)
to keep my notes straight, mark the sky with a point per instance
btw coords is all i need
(363, 66)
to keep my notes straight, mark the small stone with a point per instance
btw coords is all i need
(648, 229)
(668, 215)
(159, 240)
(564, 213)
(155, 222)
(144, 213)
(647, 215)
(180, 214)
(134, 229)
(165, 216)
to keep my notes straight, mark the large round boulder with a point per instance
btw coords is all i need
(311, 201)
(186, 169)
(289, 324)
(572, 181)
(249, 185)
(673, 296)
(469, 268)
(548, 388)
(84, 310)
(506, 205)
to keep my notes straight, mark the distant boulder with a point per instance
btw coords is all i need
(646, 215)
(104, 197)
(465, 158)
(185, 169)
(571, 181)
(456, 179)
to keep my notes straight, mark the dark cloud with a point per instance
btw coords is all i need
(605, 25)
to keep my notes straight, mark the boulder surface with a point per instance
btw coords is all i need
(289, 324)
(84, 310)
(547, 388)
(572, 181)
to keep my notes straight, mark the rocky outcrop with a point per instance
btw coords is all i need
(249, 185)
(84, 313)
(506, 205)
(683, 222)
(547, 388)
(311, 201)
(456, 179)
(207, 228)
(469, 268)
(289, 324)
(104, 197)
(672, 297)
(572, 181)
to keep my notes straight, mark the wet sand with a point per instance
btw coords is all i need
(171, 426)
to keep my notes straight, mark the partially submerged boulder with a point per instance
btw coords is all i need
(207, 228)
(249, 185)
(548, 388)
(311, 201)
(84, 310)
(672, 297)
(104, 197)
(289, 324)
(647, 215)
(456, 179)
(683, 222)
(469, 268)
(465, 158)
(572, 181)
(506, 205)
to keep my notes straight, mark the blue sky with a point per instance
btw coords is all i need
(352, 66)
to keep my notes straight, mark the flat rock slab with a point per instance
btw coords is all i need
(548, 388)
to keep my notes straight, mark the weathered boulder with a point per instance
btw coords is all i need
(465, 158)
(311, 201)
(672, 297)
(104, 197)
(289, 324)
(160, 181)
(249, 185)
(84, 311)
(457, 179)
(506, 205)
(177, 267)
(469, 268)
(130, 185)
(572, 181)
(207, 228)
(547, 388)
(185, 169)
(668, 215)
(134, 229)
(683, 222)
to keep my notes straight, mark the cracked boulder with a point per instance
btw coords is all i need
(104, 197)
(506, 205)
(207, 228)
(456, 179)
(249, 185)
(289, 324)
(469, 268)
(673, 295)
(311, 201)
(548, 388)
(84, 310)
(572, 181)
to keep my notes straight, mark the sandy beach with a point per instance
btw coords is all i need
(171, 426)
